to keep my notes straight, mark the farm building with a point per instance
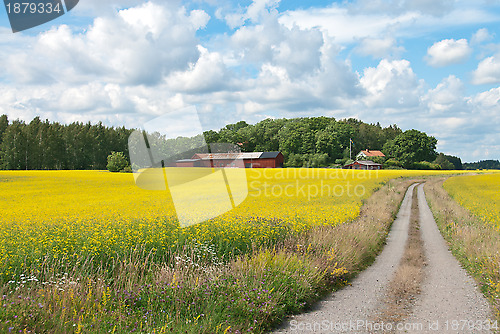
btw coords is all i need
(369, 154)
(234, 160)
(361, 164)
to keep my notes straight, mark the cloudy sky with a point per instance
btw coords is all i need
(432, 65)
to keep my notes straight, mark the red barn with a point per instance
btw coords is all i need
(234, 160)
(269, 160)
(366, 165)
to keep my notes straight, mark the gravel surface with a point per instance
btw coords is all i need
(450, 300)
(354, 304)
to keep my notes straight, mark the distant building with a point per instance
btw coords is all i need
(362, 164)
(369, 154)
(234, 160)
(187, 163)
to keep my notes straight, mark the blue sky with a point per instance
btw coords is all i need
(432, 65)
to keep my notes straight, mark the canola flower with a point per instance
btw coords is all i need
(70, 216)
(480, 194)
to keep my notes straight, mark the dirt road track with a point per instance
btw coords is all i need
(448, 293)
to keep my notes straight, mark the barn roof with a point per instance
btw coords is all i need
(227, 156)
(366, 162)
(269, 155)
(187, 160)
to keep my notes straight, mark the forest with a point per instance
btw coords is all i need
(483, 164)
(305, 142)
(44, 145)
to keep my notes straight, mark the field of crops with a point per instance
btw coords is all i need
(478, 193)
(73, 215)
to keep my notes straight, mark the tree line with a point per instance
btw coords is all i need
(48, 145)
(326, 142)
(483, 164)
(305, 142)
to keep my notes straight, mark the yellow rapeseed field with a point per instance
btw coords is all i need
(478, 193)
(71, 216)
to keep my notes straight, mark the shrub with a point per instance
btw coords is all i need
(425, 165)
(392, 163)
(117, 161)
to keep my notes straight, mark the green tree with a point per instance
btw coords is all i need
(211, 136)
(390, 132)
(34, 144)
(265, 135)
(14, 153)
(456, 161)
(4, 123)
(236, 127)
(443, 162)
(117, 161)
(56, 147)
(326, 143)
(410, 147)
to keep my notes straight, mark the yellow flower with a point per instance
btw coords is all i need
(70, 215)
(480, 194)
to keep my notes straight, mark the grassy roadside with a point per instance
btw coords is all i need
(250, 294)
(473, 242)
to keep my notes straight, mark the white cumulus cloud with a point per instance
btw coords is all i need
(488, 71)
(209, 74)
(448, 52)
(447, 98)
(392, 84)
(297, 50)
(480, 36)
(138, 45)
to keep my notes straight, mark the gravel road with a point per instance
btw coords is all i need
(449, 296)
(354, 304)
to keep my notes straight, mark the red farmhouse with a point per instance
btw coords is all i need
(234, 160)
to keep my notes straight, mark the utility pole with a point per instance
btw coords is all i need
(350, 149)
